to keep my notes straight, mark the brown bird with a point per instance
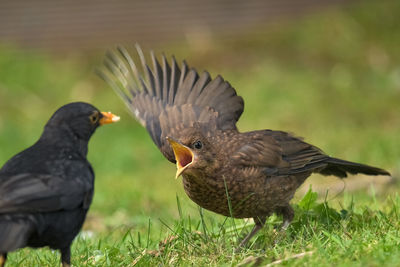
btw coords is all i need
(192, 119)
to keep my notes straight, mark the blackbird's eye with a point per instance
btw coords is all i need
(198, 144)
(94, 117)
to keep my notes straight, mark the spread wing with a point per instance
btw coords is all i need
(42, 193)
(167, 98)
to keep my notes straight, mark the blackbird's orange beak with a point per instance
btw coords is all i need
(183, 155)
(108, 117)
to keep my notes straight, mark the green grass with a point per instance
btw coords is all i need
(353, 234)
(332, 77)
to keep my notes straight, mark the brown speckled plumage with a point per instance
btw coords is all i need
(258, 171)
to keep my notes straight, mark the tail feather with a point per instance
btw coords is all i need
(340, 168)
(14, 234)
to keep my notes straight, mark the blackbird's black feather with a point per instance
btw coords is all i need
(46, 190)
(261, 170)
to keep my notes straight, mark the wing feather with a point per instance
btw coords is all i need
(167, 97)
(280, 151)
(41, 193)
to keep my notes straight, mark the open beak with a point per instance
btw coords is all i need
(108, 117)
(183, 155)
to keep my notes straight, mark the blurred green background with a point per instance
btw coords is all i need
(331, 76)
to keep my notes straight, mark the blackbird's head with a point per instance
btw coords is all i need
(80, 118)
(193, 152)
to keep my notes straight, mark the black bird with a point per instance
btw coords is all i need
(46, 190)
(192, 119)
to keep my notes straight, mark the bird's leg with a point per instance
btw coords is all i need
(287, 213)
(259, 224)
(256, 228)
(66, 256)
(3, 259)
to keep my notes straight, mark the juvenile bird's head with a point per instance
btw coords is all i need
(79, 118)
(193, 152)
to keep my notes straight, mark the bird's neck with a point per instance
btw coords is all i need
(64, 137)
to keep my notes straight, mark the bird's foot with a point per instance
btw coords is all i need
(281, 233)
(285, 225)
(3, 259)
(242, 244)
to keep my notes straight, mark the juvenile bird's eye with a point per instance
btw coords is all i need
(198, 144)
(94, 117)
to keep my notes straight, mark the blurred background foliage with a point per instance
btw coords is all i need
(331, 75)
